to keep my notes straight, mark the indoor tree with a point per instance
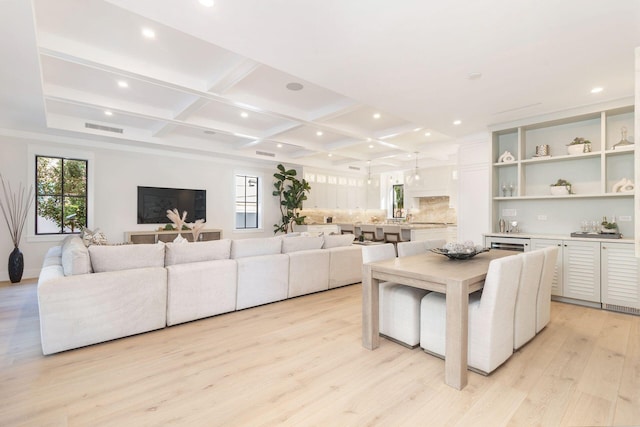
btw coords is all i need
(291, 192)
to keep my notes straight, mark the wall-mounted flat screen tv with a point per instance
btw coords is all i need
(153, 203)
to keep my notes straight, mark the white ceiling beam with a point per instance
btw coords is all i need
(234, 76)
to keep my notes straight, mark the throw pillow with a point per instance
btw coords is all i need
(197, 252)
(126, 257)
(241, 248)
(295, 244)
(75, 257)
(338, 240)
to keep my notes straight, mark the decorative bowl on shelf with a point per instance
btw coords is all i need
(459, 255)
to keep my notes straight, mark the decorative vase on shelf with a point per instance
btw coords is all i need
(16, 265)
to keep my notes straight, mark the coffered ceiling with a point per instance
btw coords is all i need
(332, 84)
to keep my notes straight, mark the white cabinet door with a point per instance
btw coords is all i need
(620, 275)
(581, 275)
(556, 286)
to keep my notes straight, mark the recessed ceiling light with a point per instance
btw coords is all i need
(427, 134)
(206, 3)
(319, 133)
(108, 113)
(330, 155)
(244, 114)
(148, 33)
(457, 122)
(279, 145)
(370, 145)
(597, 89)
(376, 116)
(368, 139)
(294, 86)
(474, 76)
(122, 83)
(417, 129)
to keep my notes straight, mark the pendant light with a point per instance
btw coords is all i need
(369, 177)
(416, 176)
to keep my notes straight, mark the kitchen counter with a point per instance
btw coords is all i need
(408, 231)
(558, 237)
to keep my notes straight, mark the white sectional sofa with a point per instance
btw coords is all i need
(100, 293)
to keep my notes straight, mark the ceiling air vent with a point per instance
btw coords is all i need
(265, 153)
(104, 128)
(355, 168)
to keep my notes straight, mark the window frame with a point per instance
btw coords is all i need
(62, 195)
(64, 152)
(259, 200)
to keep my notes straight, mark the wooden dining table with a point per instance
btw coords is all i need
(433, 272)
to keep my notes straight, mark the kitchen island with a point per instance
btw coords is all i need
(408, 231)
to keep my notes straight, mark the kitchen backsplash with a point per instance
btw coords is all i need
(434, 209)
(430, 209)
(317, 216)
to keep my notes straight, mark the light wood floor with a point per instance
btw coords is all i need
(300, 362)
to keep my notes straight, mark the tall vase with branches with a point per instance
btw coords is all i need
(15, 207)
(291, 192)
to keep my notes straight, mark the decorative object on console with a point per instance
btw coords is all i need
(560, 188)
(506, 157)
(579, 145)
(625, 185)
(15, 207)
(196, 228)
(624, 142)
(176, 219)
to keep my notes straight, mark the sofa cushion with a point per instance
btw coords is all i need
(335, 241)
(243, 248)
(75, 257)
(126, 257)
(295, 244)
(183, 253)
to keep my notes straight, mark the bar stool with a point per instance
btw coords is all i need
(370, 232)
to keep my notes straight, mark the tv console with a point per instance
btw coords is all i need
(169, 236)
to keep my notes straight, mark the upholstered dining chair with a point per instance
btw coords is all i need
(543, 305)
(399, 304)
(524, 321)
(419, 246)
(490, 339)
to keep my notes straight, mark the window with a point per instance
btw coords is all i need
(247, 202)
(61, 195)
(398, 201)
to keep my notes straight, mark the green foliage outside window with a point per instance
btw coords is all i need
(61, 195)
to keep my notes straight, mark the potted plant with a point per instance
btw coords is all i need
(579, 145)
(291, 192)
(561, 187)
(15, 207)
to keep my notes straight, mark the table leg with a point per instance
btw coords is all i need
(370, 310)
(456, 335)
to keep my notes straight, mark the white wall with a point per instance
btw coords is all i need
(116, 175)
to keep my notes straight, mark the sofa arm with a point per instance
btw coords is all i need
(86, 309)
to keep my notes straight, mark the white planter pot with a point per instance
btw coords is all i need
(577, 149)
(559, 190)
